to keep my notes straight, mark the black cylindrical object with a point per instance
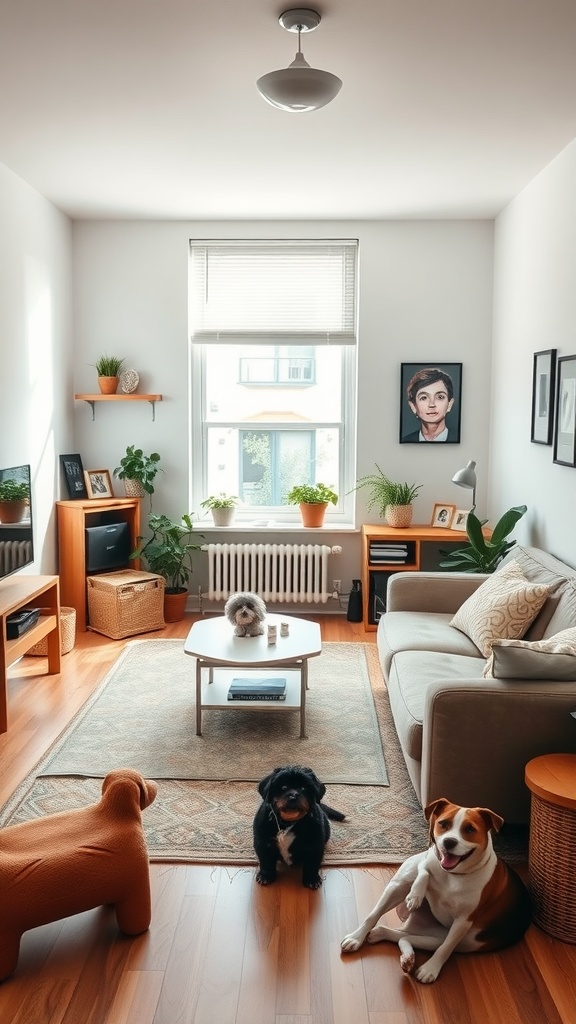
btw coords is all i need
(354, 613)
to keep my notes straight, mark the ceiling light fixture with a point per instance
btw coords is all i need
(299, 87)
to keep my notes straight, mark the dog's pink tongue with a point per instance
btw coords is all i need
(449, 861)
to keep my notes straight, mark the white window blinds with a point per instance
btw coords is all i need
(299, 292)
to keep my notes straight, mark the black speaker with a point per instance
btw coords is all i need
(107, 547)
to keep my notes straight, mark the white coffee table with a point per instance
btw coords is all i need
(213, 644)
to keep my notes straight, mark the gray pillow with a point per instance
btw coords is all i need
(553, 658)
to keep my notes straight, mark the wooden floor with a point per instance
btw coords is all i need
(222, 950)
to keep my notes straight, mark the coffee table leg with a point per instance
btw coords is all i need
(198, 697)
(303, 688)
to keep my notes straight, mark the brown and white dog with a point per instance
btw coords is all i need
(455, 896)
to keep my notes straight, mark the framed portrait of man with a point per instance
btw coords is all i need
(430, 402)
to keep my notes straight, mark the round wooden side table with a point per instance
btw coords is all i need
(551, 780)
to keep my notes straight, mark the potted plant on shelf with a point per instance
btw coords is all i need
(138, 472)
(313, 500)
(393, 500)
(222, 506)
(14, 500)
(483, 554)
(108, 370)
(168, 552)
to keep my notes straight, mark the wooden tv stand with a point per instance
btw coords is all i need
(19, 592)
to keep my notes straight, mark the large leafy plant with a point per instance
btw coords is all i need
(168, 552)
(135, 465)
(312, 494)
(483, 554)
(385, 492)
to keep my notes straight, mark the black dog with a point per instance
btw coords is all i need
(292, 824)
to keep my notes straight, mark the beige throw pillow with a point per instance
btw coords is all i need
(554, 658)
(502, 608)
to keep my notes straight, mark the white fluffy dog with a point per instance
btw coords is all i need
(246, 612)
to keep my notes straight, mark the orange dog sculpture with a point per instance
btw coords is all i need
(66, 863)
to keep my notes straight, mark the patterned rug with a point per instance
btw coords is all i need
(209, 819)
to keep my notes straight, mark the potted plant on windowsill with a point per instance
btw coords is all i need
(138, 471)
(393, 500)
(14, 500)
(313, 500)
(168, 552)
(222, 506)
(108, 370)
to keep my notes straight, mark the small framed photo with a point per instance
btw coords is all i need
(543, 381)
(98, 483)
(430, 402)
(565, 433)
(443, 515)
(459, 519)
(74, 476)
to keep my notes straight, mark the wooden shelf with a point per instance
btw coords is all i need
(18, 592)
(91, 399)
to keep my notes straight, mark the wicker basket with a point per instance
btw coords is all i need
(124, 603)
(552, 861)
(67, 634)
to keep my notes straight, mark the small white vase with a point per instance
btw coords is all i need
(223, 516)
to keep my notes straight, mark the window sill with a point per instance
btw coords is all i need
(272, 526)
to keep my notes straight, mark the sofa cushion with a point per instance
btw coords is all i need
(411, 675)
(502, 608)
(559, 609)
(420, 631)
(553, 659)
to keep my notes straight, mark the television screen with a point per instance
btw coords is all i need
(16, 537)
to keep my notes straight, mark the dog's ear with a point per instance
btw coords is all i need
(432, 811)
(318, 788)
(264, 784)
(493, 821)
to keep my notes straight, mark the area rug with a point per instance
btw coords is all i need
(210, 820)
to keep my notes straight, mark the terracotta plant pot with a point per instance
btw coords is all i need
(12, 511)
(399, 516)
(108, 385)
(175, 606)
(313, 515)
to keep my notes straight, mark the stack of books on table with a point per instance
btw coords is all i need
(257, 689)
(381, 553)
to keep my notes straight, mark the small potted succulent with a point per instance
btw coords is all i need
(222, 506)
(14, 500)
(313, 500)
(138, 471)
(108, 370)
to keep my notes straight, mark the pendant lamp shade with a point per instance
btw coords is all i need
(299, 87)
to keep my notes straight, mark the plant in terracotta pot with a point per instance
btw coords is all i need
(222, 506)
(168, 552)
(392, 500)
(138, 472)
(313, 500)
(108, 370)
(14, 500)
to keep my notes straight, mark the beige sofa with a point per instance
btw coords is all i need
(464, 736)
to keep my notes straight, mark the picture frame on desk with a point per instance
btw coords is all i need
(74, 477)
(543, 382)
(442, 515)
(459, 519)
(98, 483)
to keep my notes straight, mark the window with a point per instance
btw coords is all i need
(273, 361)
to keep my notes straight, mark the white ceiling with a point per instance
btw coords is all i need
(149, 108)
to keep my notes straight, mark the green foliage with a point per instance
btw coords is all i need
(312, 494)
(221, 500)
(137, 466)
(168, 552)
(385, 492)
(11, 490)
(108, 366)
(482, 555)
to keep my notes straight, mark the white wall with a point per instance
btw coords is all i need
(36, 415)
(534, 310)
(425, 293)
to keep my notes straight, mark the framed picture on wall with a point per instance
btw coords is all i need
(98, 483)
(565, 433)
(543, 380)
(74, 476)
(430, 402)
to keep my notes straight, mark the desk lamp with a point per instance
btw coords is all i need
(467, 478)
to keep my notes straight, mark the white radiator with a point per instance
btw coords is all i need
(277, 572)
(13, 554)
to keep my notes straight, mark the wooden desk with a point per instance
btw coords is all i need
(552, 851)
(19, 592)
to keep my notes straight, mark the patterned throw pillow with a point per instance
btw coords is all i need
(554, 658)
(501, 609)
